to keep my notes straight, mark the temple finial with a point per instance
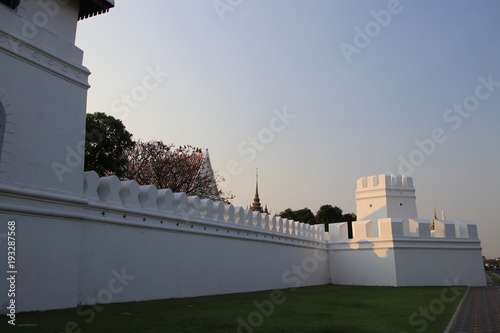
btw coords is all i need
(256, 206)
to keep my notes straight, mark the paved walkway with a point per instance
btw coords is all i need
(479, 311)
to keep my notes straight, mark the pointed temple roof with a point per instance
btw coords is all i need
(204, 182)
(256, 206)
(433, 221)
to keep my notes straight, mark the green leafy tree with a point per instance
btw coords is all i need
(305, 215)
(333, 214)
(329, 214)
(302, 215)
(350, 217)
(105, 145)
(288, 214)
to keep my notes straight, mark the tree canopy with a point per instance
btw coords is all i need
(333, 214)
(302, 215)
(329, 214)
(325, 215)
(109, 149)
(180, 169)
(106, 141)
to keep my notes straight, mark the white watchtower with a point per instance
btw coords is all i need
(384, 196)
(43, 93)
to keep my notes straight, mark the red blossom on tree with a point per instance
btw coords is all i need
(180, 169)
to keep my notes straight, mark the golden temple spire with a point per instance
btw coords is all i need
(256, 206)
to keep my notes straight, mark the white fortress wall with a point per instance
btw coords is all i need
(405, 252)
(81, 239)
(124, 242)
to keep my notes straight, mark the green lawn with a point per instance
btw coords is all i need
(493, 277)
(313, 309)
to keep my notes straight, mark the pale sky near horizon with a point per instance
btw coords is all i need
(316, 94)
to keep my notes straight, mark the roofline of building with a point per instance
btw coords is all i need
(89, 8)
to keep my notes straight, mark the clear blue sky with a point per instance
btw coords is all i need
(316, 94)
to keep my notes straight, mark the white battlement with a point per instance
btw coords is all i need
(129, 198)
(406, 252)
(382, 181)
(383, 196)
(389, 228)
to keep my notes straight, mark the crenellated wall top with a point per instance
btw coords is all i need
(412, 229)
(148, 200)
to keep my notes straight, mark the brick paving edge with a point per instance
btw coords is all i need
(457, 310)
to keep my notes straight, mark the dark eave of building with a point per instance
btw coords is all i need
(11, 3)
(89, 8)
